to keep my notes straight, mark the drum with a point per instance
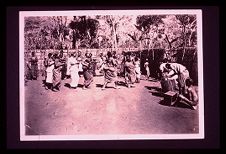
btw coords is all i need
(168, 85)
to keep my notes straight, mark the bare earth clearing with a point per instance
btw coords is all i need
(112, 111)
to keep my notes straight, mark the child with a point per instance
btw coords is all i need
(137, 69)
(146, 66)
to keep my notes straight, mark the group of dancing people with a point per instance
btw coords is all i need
(109, 65)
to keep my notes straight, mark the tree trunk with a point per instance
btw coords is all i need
(168, 56)
(140, 45)
(189, 43)
(184, 39)
(183, 54)
(189, 39)
(73, 40)
(194, 54)
(115, 38)
(153, 54)
(167, 39)
(54, 45)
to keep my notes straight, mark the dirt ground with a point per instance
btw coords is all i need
(112, 111)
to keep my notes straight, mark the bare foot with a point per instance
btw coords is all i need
(132, 86)
(116, 87)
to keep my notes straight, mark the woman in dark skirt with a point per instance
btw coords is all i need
(33, 66)
(130, 74)
(110, 72)
(87, 71)
(57, 73)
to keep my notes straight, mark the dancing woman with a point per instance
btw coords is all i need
(73, 66)
(130, 74)
(110, 72)
(87, 71)
(49, 72)
(57, 73)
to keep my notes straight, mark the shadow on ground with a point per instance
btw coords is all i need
(153, 80)
(179, 104)
(99, 85)
(121, 83)
(156, 91)
(153, 88)
(68, 85)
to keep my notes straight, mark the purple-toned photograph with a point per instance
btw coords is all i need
(111, 75)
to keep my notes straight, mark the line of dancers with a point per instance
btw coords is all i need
(111, 66)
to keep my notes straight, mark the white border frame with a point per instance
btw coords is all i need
(197, 12)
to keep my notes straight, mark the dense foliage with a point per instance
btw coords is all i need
(155, 36)
(144, 31)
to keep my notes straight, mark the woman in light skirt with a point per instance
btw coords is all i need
(74, 69)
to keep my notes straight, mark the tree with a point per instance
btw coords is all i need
(188, 28)
(147, 26)
(113, 22)
(45, 32)
(116, 36)
(60, 30)
(31, 31)
(84, 31)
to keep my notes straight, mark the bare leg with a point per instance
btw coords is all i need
(132, 85)
(46, 86)
(190, 103)
(104, 85)
(115, 85)
(84, 87)
(128, 84)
